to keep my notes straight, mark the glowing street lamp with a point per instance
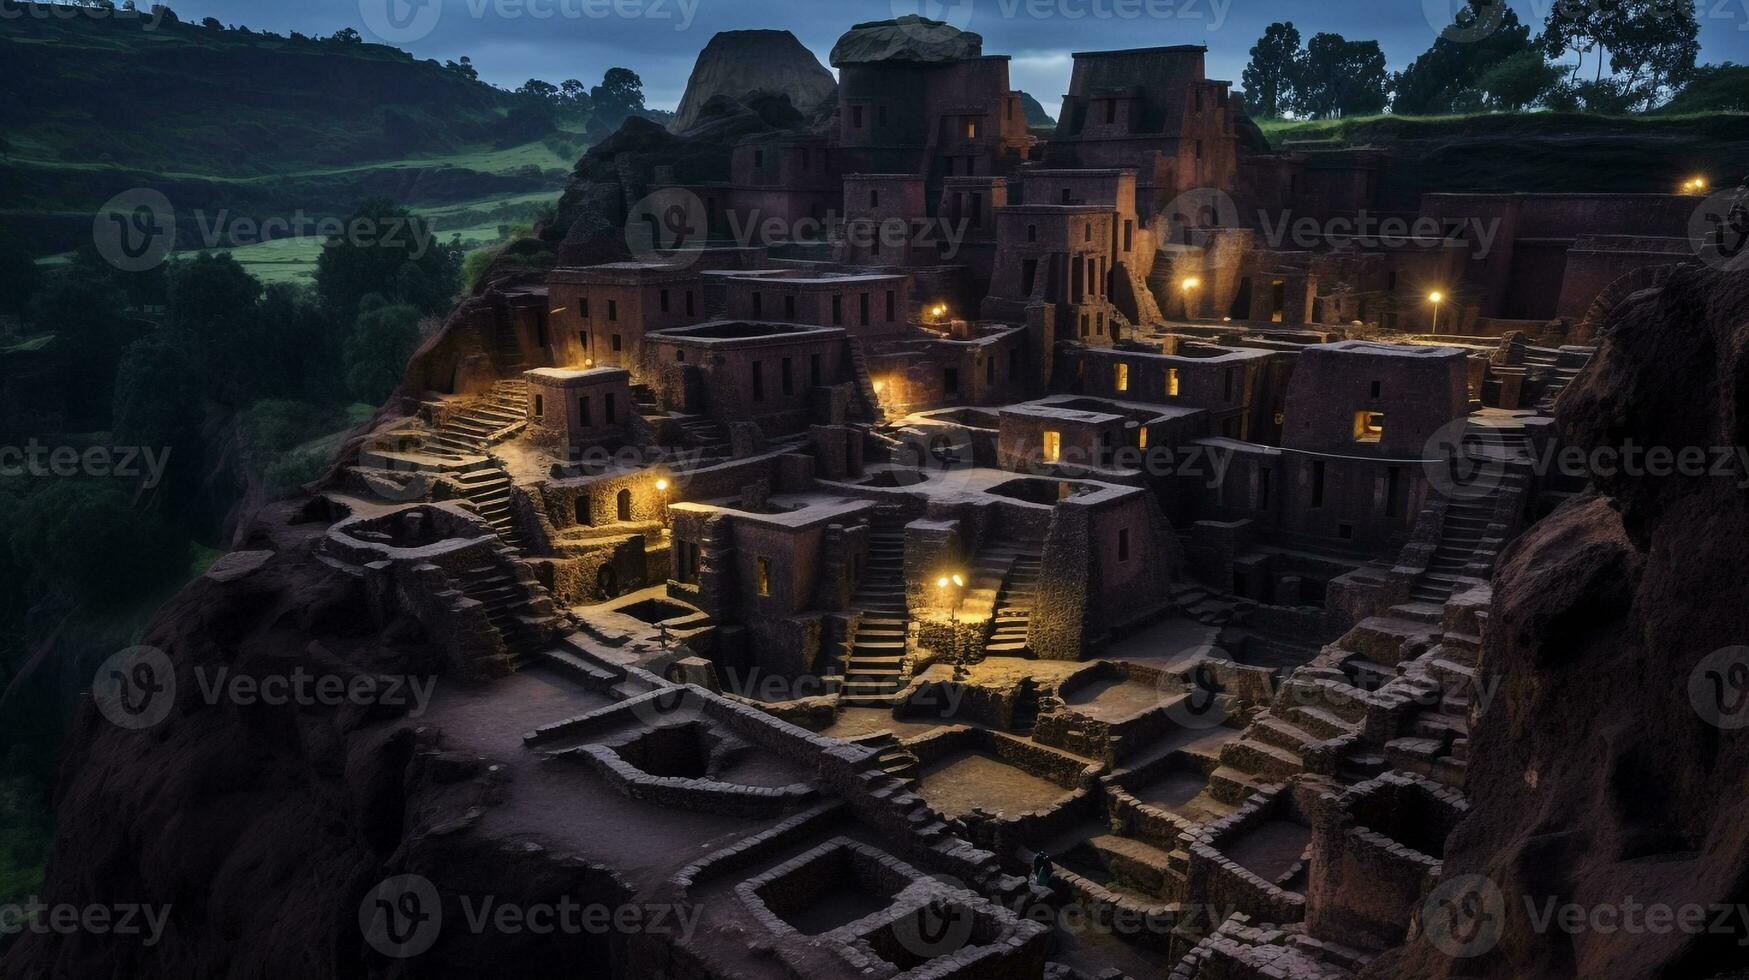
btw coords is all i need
(1436, 297)
(1190, 285)
(953, 613)
(1696, 185)
(662, 488)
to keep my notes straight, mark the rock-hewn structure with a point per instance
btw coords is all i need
(1005, 561)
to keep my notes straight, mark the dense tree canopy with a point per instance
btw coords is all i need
(1272, 73)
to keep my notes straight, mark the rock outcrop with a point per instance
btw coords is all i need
(739, 64)
(906, 39)
(1607, 772)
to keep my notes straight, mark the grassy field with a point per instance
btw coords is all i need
(1535, 152)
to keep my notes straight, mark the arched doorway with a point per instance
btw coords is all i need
(625, 505)
(607, 581)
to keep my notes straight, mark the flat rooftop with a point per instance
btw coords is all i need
(1379, 349)
(725, 332)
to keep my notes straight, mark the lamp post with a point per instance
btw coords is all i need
(1436, 297)
(953, 618)
(1190, 286)
(662, 491)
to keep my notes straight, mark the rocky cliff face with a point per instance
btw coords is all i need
(1607, 772)
(740, 64)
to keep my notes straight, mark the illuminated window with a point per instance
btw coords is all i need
(1142, 438)
(1123, 377)
(763, 567)
(1368, 426)
(1172, 382)
(1053, 446)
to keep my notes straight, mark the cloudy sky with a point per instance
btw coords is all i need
(513, 40)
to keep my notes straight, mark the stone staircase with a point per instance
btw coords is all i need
(488, 489)
(645, 403)
(1555, 369)
(474, 429)
(524, 617)
(707, 435)
(1205, 606)
(874, 668)
(868, 403)
(1014, 602)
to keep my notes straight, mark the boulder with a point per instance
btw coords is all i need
(738, 64)
(910, 39)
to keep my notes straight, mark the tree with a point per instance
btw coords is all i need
(214, 314)
(464, 68)
(574, 96)
(620, 94)
(348, 35)
(1340, 77)
(379, 241)
(1652, 45)
(377, 352)
(1520, 81)
(534, 88)
(88, 539)
(19, 276)
(88, 317)
(212, 23)
(1445, 78)
(1270, 77)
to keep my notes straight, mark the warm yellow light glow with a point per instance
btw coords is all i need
(1436, 296)
(1053, 446)
(662, 486)
(589, 362)
(559, 310)
(1190, 283)
(941, 582)
(959, 581)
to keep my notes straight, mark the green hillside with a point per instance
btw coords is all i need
(1540, 152)
(249, 125)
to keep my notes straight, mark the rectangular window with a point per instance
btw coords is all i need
(892, 305)
(950, 380)
(583, 417)
(789, 309)
(758, 305)
(1123, 377)
(664, 300)
(688, 562)
(616, 343)
(856, 116)
(758, 381)
(874, 198)
(1141, 437)
(1032, 233)
(612, 410)
(540, 331)
(689, 302)
(1028, 276)
(1110, 111)
(1378, 388)
(1262, 489)
(838, 310)
(763, 567)
(583, 307)
(990, 370)
(540, 407)
(583, 340)
(1123, 544)
(814, 370)
(1053, 445)
(1369, 426)
(1227, 384)
(1129, 234)
(788, 382)
(1171, 382)
(613, 311)
(862, 303)
(1393, 492)
(1317, 483)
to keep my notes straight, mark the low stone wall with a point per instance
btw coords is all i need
(1220, 881)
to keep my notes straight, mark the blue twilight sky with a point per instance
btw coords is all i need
(513, 40)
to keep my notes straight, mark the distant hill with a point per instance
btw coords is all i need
(1536, 152)
(250, 123)
(1035, 113)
